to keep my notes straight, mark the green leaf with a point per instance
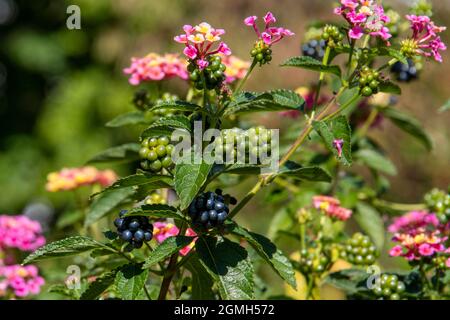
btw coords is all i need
(168, 247)
(177, 105)
(125, 153)
(311, 64)
(100, 285)
(65, 247)
(156, 211)
(269, 252)
(408, 124)
(155, 131)
(390, 87)
(275, 100)
(445, 107)
(105, 203)
(130, 118)
(140, 179)
(370, 222)
(350, 280)
(295, 171)
(393, 53)
(229, 265)
(69, 218)
(130, 281)
(376, 161)
(167, 125)
(202, 282)
(189, 178)
(336, 129)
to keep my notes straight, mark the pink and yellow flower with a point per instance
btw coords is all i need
(414, 222)
(364, 17)
(236, 68)
(270, 35)
(164, 230)
(424, 40)
(73, 178)
(331, 207)
(155, 67)
(414, 247)
(20, 281)
(199, 40)
(20, 232)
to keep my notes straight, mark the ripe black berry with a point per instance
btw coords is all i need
(359, 250)
(389, 287)
(156, 154)
(134, 230)
(210, 209)
(315, 49)
(405, 72)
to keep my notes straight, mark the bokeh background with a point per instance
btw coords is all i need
(58, 87)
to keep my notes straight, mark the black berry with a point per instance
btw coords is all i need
(315, 49)
(134, 230)
(405, 72)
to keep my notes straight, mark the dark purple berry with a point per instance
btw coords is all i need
(139, 235)
(126, 235)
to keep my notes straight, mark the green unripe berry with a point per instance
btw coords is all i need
(254, 52)
(366, 92)
(394, 296)
(169, 149)
(145, 165)
(143, 152)
(259, 57)
(144, 143)
(167, 162)
(155, 166)
(163, 141)
(152, 155)
(160, 151)
(153, 142)
(374, 84)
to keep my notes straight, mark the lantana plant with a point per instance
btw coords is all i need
(172, 229)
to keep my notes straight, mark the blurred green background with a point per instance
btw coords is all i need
(58, 87)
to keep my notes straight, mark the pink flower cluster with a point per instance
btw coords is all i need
(365, 17)
(270, 35)
(164, 230)
(20, 281)
(155, 67)
(425, 37)
(73, 178)
(418, 234)
(199, 40)
(20, 232)
(331, 207)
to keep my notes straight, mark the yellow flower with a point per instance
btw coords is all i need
(203, 28)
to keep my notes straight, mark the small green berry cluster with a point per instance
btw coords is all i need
(213, 75)
(409, 48)
(359, 250)
(440, 262)
(313, 261)
(255, 143)
(261, 52)
(369, 82)
(438, 201)
(333, 36)
(141, 100)
(165, 99)
(156, 154)
(389, 287)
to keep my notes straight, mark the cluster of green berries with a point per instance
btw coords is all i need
(213, 74)
(389, 287)
(141, 100)
(210, 209)
(313, 261)
(369, 82)
(251, 146)
(165, 99)
(359, 250)
(156, 198)
(134, 230)
(156, 154)
(440, 262)
(438, 201)
(333, 36)
(261, 52)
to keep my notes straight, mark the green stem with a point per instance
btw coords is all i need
(389, 64)
(343, 107)
(147, 293)
(399, 206)
(244, 80)
(325, 59)
(350, 57)
(366, 41)
(247, 198)
(367, 124)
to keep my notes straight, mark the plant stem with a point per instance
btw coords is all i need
(147, 293)
(343, 107)
(399, 206)
(244, 80)
(247, 198)
(367, 124)
(171, 268)
(389, 64)
(322, 76)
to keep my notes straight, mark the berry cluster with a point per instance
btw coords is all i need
(390, 287)
(332, 36)
(315, 49)
(155, 198)
(405, 72)
(156, 154)
(369, 81)
(248, 145)
(141, 100)
(438, 201)
(164, 112)
(359, 250)
(213, 74)
(312, 261)
(262, 53)
(134, 230)
(210, 209)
